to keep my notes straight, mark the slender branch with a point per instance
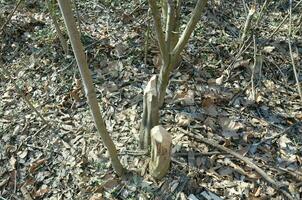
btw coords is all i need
(285, 18)
(158, 30)
(57, 27)
(19, 91)
(10, 16)
(265, 4)
(164, 10)
(291, 52)
(169, 24)
(249, 162)
(175, 33)
(248, 22)
(174, 56)
(253, 69)
(73, 33)
(195, 17)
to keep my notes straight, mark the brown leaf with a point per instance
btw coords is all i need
(96, 196)
(111, 184)
(157, 62)
(209, 106)
(242, 63)
(42, 191)
(12, 162)
(34, 166)
(25, 193)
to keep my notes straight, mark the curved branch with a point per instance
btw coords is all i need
(196, 14)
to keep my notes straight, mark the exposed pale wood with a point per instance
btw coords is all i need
(150, 116)
(160, 152)
(73, 33)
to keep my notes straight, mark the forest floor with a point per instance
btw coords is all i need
(210, 94)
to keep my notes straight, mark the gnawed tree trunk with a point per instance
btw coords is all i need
(150, 112)
(160, 152)
(170, 46)
(65, 6)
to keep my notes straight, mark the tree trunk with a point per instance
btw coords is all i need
(65, 6)
(150, 116)
(170, 44)
(161, 142)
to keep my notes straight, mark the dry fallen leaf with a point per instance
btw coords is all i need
(228, 124)
(182, 119)
(34, 166)
(41, 192)
(209, 106)
(268, 49)
(12, 162)
(97, 196)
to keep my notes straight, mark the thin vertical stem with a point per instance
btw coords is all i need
(73, 33)
(291, 52)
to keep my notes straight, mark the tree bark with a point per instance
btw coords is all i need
(173, 55)
(150, 116)
(65, 7)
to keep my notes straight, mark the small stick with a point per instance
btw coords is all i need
(291, 52)
(78, 16)
(242, 49)
(57, 26)
(247, 24)
(19, 91)
(285, 131)
(147, 37)
(249, 162)
(285, 18)
(10, 16)
(265, 4)
(253, 69)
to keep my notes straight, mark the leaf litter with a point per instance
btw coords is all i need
(39, 163)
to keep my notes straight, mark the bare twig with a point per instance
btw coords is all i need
(265, 4)
(285, 131)
(147, 37)
(78, 16)
(291, 52)
(242, 49)
(10, 16)
(169, 24)
(158, 29)
(253, 69)
(19, 91)
(285, 18)
(195, 17)
(57, 27)
(249, 162)
(247, 24)
(77, 46)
